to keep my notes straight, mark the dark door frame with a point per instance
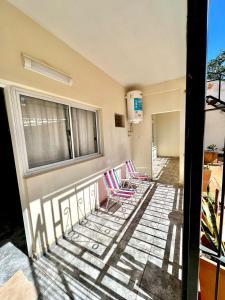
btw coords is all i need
(194, 136)
(12, 206)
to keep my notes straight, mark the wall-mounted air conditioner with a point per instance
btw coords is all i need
(134, 106)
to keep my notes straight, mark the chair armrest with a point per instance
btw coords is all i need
(114, 190)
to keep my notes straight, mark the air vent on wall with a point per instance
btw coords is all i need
(119, 120)
(45, 70)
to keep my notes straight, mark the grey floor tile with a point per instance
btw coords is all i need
(160, 283)
(11, 260)
(41, 281)
(119, 290)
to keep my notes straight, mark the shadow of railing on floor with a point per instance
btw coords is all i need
(110, 257)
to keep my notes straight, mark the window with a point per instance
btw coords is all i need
(46, 129)
(56, 132)
(84, 132)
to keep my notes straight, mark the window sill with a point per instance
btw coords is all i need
(60, 165)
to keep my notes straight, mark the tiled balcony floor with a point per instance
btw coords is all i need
(132, 252)
(110, 257)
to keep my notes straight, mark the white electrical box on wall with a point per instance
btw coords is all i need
(134, 106)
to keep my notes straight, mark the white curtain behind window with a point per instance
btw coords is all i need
(84, 132)
(46, 129)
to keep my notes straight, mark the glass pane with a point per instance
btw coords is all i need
(84, 132)
(47, 131)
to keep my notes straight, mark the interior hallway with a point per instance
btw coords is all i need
(166, 170)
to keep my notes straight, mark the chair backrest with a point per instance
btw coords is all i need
(133, 166)
(112, 185)
(115, 179)
(109, 180)
(130, 166)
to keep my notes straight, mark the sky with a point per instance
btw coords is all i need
(216, 28)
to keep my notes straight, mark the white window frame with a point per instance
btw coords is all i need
(15, 93)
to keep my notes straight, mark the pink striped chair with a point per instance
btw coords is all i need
(127, 184)
(134, 174)
(116, 193)
(119, 183)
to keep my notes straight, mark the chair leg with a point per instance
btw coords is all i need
(107, 204)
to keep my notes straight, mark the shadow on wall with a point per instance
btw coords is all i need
(54, 215)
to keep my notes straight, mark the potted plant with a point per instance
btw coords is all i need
(212, 147)
(209, 226)
(210, 239)
(207, 279)
(210, 154)
(206, 178)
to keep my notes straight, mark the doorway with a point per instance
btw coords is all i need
(11, 219)
(166, 147)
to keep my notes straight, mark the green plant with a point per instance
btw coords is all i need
(216, 66)
(206, 167)
(209, 224)
(212, 147)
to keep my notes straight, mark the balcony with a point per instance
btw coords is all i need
(130, 252)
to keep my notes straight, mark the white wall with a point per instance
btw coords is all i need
(159, 98)
(215, 120)
(47, 197)
(214, 128)
(168, 134)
